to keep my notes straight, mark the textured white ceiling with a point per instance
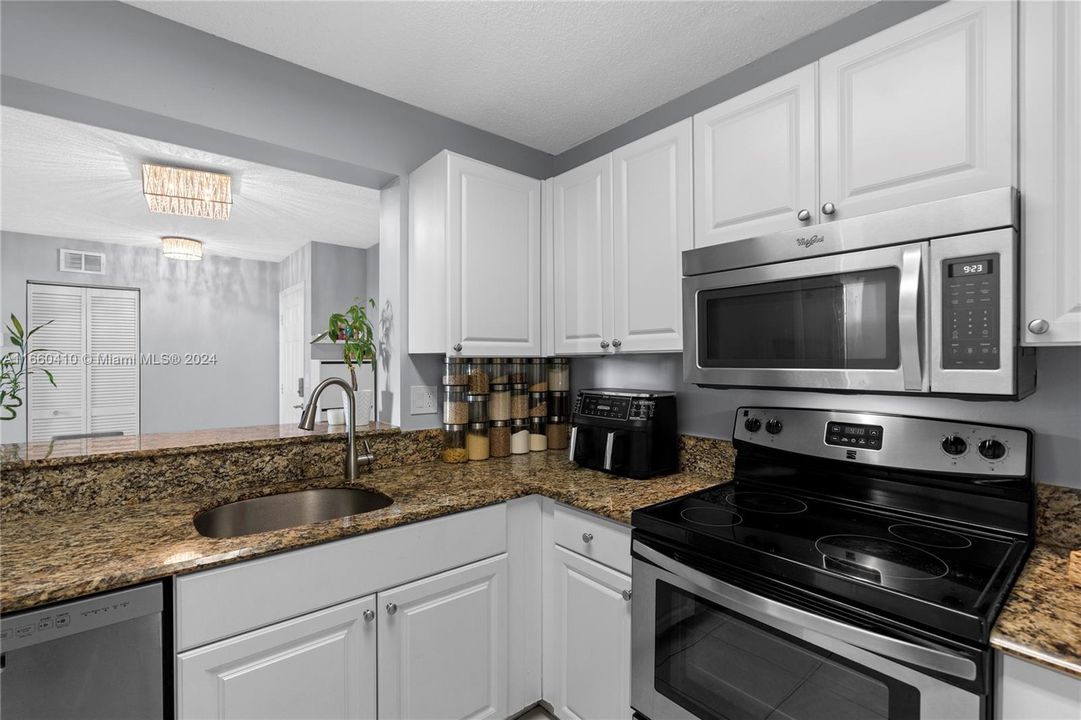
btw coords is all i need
(70, 180)
(547, 74)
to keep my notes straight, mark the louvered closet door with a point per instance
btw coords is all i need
(113, 344)
(59, 410)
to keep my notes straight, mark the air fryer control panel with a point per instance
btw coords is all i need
(613, 407)
(971, 299)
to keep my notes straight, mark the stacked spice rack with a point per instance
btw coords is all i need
(495, 407)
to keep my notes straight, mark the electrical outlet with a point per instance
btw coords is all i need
(422, 400)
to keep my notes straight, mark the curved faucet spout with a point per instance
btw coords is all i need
(307, 422)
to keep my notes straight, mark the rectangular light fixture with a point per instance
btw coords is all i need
(194, 193)
(178, 248)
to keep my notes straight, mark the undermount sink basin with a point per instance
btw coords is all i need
(286, 510)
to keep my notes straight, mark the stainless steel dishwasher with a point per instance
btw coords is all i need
(99, 657)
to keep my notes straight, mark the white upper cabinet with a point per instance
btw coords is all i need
(1051, 172)
(920, 111)
(651, 227)
(755, 167)
(474, 259)
(582, 258)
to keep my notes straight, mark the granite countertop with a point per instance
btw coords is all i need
(54, 557)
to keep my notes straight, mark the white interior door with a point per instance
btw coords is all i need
(651, 227)
(60, 410)
(290, 353)
(113, 343)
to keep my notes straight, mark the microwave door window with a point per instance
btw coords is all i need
(837, 322)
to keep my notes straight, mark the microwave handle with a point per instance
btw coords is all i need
(909, 317)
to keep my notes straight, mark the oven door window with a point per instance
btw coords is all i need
(842, 321)
(722, 666)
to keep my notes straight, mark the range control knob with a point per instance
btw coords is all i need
(752, 424)
(992, 449)
(954, 445)
(774, 426)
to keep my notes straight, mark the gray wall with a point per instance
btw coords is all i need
(220, 305)
(1053, 412)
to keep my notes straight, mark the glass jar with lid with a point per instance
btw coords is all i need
(519, 402)
(499, 432)
(454, 371)
(454, 444)
(519, 436)
(538, 434)
(557, 431)
(478, 408)
(517, 373)
(538, 404)
(478, 369)
(499, 402)
(538, 375)
(559, 375)
(559, 403)
(476, 441)
(499, 371)
(455, 406)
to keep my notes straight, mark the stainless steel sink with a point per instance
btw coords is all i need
(286, 510)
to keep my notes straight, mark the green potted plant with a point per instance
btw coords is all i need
(15, 367)
(354, 330)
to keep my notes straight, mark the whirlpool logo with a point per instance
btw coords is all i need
(809, 241)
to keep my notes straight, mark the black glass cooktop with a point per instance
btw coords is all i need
(949, 577)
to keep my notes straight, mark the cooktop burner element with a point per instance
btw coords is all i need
(711, 517)
(930, 536)
(875, 558)
(763, 502)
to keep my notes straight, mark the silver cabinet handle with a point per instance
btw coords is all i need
(368, 615)
(587, 537)
(829, 208)
(457, 347)
(604, 344)
(626, 595)
(391, 608)
(617, 343)
(803, 215)
(1039, 326)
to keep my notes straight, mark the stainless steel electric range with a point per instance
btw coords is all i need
(853, 569)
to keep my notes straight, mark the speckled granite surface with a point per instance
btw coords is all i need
(45, 558)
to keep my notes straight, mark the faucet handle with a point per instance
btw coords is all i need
(368, 458)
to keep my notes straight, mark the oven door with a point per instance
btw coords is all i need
(853, 321)
(708, 650)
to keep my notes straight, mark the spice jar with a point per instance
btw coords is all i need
(538, 437)
(559, 375)
(455, 407)
(559, 404)
(454, 444)
(538, 404)
(519, 402)
(477, 368)
(538, 375)
(499, 402)
(499, 371)
(519, 437)
(516, 372)
(454, 371)
(476, 441)
(499, 438)
(558, 437)
(478, 408)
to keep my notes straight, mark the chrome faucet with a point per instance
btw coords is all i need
(353, 460)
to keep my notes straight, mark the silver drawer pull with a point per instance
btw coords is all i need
(626, 595)
(587, 537)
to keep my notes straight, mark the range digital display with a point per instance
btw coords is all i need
(864, 437)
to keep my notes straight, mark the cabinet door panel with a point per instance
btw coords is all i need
(1051, 171)
(320, 665)
(443, 649)
(651, 200)
(920, 111)
(588, 671)
(754, 161)
(582, 251)
(493, 256)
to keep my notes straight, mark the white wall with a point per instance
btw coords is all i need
(1053, 412)
(220, 305)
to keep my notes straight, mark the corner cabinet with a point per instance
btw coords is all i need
(319, 665)
(619, 226)
(1051, 172)
(474, 259)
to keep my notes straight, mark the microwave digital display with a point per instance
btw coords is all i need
(970, 267)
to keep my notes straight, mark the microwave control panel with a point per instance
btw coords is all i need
(971, 301)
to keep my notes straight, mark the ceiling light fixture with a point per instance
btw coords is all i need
(179, 248)
(194, 193)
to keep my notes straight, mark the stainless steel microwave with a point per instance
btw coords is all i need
(922, 299)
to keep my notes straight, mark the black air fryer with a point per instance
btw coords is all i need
(625, 432)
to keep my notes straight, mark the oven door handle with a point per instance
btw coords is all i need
(908, 325)
(888, 647)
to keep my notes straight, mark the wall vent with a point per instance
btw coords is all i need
(84, 262)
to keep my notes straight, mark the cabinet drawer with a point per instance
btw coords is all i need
(602, 540)
(226, 601)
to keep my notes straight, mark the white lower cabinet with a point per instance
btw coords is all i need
(443, 645)
(320, 665)
(1027, 691)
